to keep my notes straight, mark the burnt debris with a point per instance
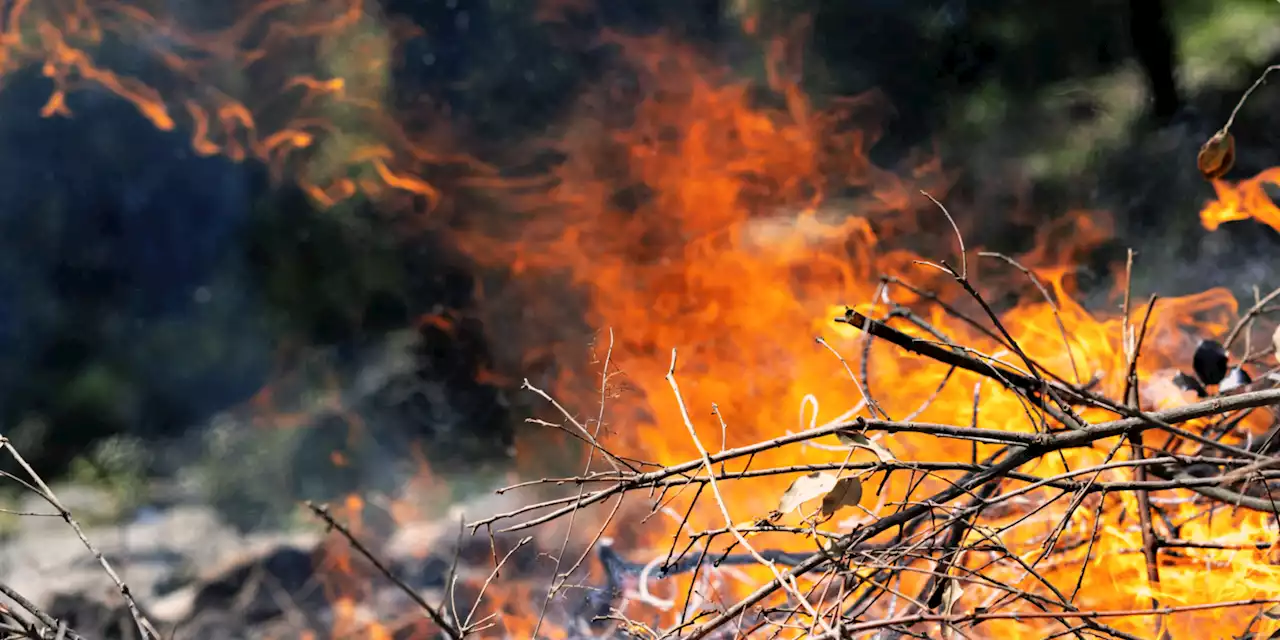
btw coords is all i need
(1210, 362)
(1190, 383)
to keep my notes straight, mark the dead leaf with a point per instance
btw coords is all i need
(1273, 613)
(951, 594)
(846, 493)
(1275, 342)
(806, 488)
(851, 438)
(1217, 155)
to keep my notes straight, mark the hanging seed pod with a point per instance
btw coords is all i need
(1217, 155)
(1236, 377)
(1210, 362)
(1189, 383)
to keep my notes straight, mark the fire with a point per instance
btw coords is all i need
(1244, 200)
(303, 87)
(701, 212)
(732, 231)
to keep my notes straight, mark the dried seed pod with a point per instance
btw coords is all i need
(1189, 383)
(1210, 362)
(1217, 155)
(1236, 377)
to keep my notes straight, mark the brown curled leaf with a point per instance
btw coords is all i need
(846, 493)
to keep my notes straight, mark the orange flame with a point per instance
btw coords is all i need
(301, 86)
(709, 221)
(1243, 200)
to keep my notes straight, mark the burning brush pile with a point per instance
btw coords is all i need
(794, 425)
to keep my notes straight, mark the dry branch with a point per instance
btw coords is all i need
(838, 583)
(37, 484)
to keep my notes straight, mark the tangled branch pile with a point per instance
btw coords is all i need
(962, 547)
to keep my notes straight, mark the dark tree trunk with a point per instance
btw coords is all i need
(1154, 46)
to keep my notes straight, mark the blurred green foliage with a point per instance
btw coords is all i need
(318, 270)
(118, 467)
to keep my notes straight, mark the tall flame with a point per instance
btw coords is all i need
(708, 221)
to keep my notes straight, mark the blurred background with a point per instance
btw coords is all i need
(189, 325)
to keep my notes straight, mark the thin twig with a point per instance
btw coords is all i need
(1226, 128)
(964, 258)
(145, 630)
(322, 512)
(787, 582)
(1258, 307)
(1053, 306)
(45, 619)
(1150, 551)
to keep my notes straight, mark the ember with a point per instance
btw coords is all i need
(795, 425)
